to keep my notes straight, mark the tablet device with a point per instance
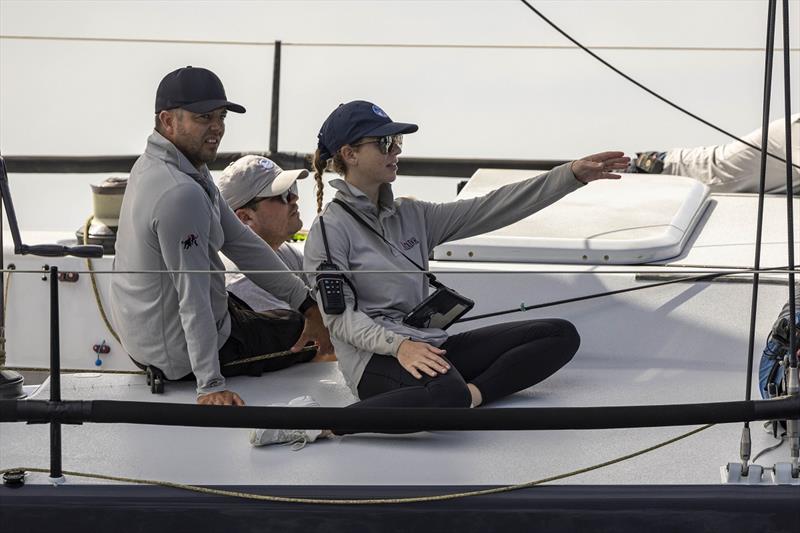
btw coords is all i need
(439, 310)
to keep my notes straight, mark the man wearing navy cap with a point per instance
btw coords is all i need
(176, 315)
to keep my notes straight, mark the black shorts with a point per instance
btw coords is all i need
(257, 333)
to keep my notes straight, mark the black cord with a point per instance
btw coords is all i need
(766, 102)
(787, 102)
(770, 448)
(524, 307)
(325, 239)
(652, 92)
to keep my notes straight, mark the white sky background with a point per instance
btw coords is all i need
(96, 98)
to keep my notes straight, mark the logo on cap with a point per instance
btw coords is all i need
(266, 164)
(378, 111)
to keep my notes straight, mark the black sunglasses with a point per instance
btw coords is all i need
(385, 143)
(284, 197)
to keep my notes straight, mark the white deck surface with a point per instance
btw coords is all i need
(224, 456)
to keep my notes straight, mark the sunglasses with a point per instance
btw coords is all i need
(385, 143)
(284, 197)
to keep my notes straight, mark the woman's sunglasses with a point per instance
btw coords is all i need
(385, 143)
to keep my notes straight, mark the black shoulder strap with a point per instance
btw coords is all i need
(431, 278)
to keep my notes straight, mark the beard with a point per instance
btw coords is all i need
(196, 151)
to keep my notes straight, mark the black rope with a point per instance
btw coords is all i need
(523, 307)
(396, 418)
(770, 448)
(766, 102)
(789, 200)
(652, 92)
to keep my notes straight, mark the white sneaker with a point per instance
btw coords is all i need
(298, 438)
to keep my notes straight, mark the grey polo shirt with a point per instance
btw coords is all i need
(253, 295)
(172, 219)
(416, 228)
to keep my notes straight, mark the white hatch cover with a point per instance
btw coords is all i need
(637, 219)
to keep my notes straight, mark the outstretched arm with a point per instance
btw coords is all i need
(513, 202)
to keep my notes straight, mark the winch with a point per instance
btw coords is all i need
(106, 204)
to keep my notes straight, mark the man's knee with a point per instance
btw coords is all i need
(289, 321)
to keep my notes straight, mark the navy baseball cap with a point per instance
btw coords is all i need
(353, 121)
(195, 89)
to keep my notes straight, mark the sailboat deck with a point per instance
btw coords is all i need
(225, 457)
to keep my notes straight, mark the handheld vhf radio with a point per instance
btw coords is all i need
(330, 283)
(331, 288)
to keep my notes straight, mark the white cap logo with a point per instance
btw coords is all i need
(266, 164)
(378, 111)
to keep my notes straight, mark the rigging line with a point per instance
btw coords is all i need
(6, 285)
(456, 46)
(522, 308)
(371, 501)
(766, 103)
(650, 91)
(97, 300)
(262, 357)
(531, 47)
(787, 103)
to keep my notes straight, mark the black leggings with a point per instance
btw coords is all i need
(499, 360)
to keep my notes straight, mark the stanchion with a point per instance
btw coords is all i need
(56, 476)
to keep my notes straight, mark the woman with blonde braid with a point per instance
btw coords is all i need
(386, 362)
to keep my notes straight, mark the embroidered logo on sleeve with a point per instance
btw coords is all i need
(189, 241)
(409, 243)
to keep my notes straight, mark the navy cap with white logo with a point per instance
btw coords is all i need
(195, 89)
(353, 121)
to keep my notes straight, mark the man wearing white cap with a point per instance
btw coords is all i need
(264, 197)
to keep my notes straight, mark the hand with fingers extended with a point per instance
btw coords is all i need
(421, 357)
(224, 397)
(599, 166)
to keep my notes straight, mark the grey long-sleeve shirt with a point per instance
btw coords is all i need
(416, 228)
(172, 219)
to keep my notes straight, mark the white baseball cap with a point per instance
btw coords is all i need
(254, 176)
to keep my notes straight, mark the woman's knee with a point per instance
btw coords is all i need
(449, 390)
(570, 333)
(562, 332)
(570, 338)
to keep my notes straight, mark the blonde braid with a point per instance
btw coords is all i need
(319, 168)
(336, 163)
